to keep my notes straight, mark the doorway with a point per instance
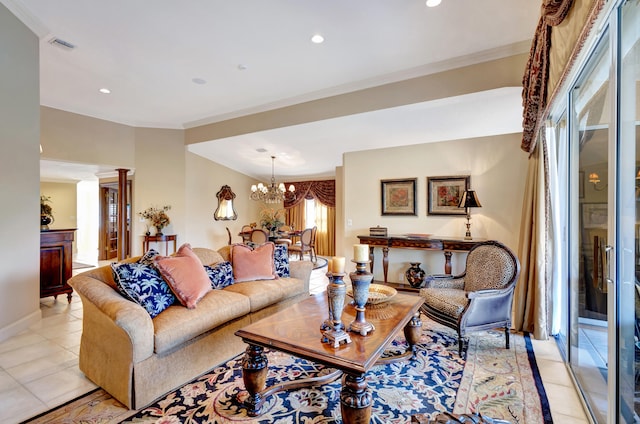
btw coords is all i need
(108, 233)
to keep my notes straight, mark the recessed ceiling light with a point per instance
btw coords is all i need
(199, 81)
(433, 3)
(105, 91)
(261, 150)
(317, 39)
(242, 67)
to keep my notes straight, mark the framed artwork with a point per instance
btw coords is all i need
(444, 194)
(594, 215)
(398, 196)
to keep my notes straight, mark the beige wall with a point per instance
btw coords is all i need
(497, 168)
(19, 176)
(203, 180)
(64, 203)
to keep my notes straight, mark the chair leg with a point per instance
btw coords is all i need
(506, 337)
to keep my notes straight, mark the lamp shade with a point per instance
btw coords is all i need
(469, 200)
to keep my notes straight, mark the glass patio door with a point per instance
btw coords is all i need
(626, 354)
(589, 321)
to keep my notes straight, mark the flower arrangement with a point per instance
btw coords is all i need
(45, 208)
(157, 217)
(272, 218)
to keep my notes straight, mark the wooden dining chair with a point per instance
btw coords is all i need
(258, 236)
(305, 244)
(245, 233)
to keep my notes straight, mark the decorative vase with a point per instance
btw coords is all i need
(415, 275)
(45, 220)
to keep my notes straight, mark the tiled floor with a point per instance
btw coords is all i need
(39, 367)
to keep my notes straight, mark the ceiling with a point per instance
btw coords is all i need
(174, 64)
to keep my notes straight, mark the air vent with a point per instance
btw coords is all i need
(62, 44)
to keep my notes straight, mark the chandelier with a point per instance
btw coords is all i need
(272, 193)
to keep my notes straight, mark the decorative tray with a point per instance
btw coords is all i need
(378, 293)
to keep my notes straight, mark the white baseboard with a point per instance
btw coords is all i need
(20, 325)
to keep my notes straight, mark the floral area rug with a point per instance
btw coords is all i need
(497, 382)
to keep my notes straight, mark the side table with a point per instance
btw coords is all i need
(166, 238)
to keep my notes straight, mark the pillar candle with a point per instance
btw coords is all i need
(338, 264)
(330, 266)
(360, 252)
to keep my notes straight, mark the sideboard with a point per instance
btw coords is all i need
(446, 244)
(56, 262)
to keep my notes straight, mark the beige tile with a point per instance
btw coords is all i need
(564, 400)
(69, 339)
(21, 340)
(60, 329)
(18, 405)
(28, 353)
(554, 372)
(44, 366)
(567, 419)
(546, 349)
(62, 384)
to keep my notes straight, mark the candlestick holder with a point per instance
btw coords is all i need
(336, 293)
(327, 324)
(361, 281)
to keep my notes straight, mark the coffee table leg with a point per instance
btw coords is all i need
(254, 375)
(412, 333)
(355, 400)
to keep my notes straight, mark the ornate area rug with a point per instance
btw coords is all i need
(497, 382)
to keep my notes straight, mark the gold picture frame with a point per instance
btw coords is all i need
(444, 194)
(398, 197)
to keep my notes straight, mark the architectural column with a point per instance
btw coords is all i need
(122, 213)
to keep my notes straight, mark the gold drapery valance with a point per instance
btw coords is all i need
(536, 75)
(324, 191)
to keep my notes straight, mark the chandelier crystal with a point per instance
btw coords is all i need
(272, 193)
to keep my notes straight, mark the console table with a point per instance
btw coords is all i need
(166, 238)
(446, 244)
(56, 257)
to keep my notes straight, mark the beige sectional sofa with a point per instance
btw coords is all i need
(137, 358)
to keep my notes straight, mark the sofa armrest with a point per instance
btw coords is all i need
(301, 270)
(115, 309)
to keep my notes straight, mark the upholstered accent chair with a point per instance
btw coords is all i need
(478, 299)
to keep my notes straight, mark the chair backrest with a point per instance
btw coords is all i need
(305, 237)
(245, 232)
(284, 228)
(314, 231)
(229, 235)
(490, 265)
(259, 236)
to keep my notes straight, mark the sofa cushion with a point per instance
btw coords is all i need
(281, 260)
(143, 285)
(207, 256)
(253, 264)
(220, 275)
(178, 325)
(185, 275)
(268, 292)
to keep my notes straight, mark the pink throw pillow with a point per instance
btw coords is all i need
(253, 264)
(185, 275)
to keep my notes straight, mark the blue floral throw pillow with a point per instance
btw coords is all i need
(281, 260)
(220, 274)
(143, 285)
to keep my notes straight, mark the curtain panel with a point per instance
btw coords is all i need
(536, 75)
(324, 191)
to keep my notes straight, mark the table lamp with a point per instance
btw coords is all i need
(469, 200)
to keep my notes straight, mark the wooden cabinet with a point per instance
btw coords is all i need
(56, 261)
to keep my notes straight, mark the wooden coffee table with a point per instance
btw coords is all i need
(296, 331)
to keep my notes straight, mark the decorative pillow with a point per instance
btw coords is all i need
(220, 274)
(143, 285)
(253, 264)
(147, 258)
(281, 260)
(185, 275)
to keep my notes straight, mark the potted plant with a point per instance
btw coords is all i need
(46, 216)
(272, 219)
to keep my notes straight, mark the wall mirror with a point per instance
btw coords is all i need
(225, 210)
